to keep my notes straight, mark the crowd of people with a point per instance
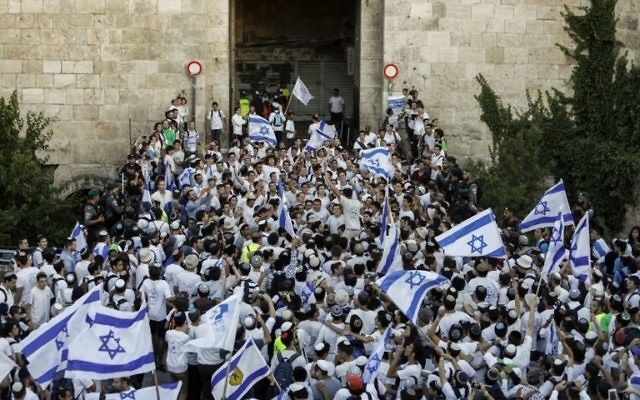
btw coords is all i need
(184, 226)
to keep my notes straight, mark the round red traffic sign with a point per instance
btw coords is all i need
(194, 68)
(391, 71)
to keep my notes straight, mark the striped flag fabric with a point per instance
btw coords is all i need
(378, 161)
(407, 289)
(284, 219)
(260, 130)
(556, 251)
(580, 256)
(544, 213)
(477, 236)
(246, 368)
(375, 359)
(168, 391)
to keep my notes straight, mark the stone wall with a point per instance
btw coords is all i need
(91, 65)
(441, 46)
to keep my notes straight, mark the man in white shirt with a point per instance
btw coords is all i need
(162, 195)
(277, 121)
(26, 277)
(39, 301)
(237, 122)
(217, 120)
(290, 129)
(158, 295)
(336, 109)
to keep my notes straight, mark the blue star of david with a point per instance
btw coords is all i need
(264, 130)
(305, 296)
(375, 162)
(374, 364)
(414, 279)
(128, 395)
(541, 208)
(555, 238)
(62, 336)
(107, 344)
(224, 308)
(477, 244)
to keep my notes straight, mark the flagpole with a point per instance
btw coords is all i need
(226, 380)
(287, 107)
(155, 381)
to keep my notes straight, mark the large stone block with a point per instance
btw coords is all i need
(25, 80)
(84, 112)
(55, 96)
(438, 39)
(482, 11)
(33, 96)
(169, 7)
(32, 6)
(62, 81)
(91, 6)
(10, 66)
(51, 66)
(88, 81)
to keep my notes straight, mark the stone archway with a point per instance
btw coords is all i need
(83, 183)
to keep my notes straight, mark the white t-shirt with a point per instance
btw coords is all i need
(351, 208)
(188, 282)
(171, 274)
(176, 356)
(237, 122)
(290, 127)
(157, 293)
(216, 117)
(40, 301)
(337, 104)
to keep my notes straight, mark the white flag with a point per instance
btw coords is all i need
(580, 256)
(323, 133)
(375, 360)
(223, 323)
(260, 130)
(46, 348)
(301, 92)
(6, 365)
(407, 289)
(378, 161)
(477, 236)
(113, 344)
(556, 251)
(544, 213)
(390, 260)
(78, 235)
(246, 369)
(169, 391)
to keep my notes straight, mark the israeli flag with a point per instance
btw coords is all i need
(307, 294)
(81, 241)
(246, 368)
(323, 133)
(544, 213)
(556, 251)
(46, 349)
(378, 161)
(222, 321)
(390, 260)
(301, 92)
(477, 236)
(407, 289)
(168, 391)
(260, 130)
(112, 344)
(375, 359)
(580, 256)
(169, 179)
(284, 219)
(185, 177)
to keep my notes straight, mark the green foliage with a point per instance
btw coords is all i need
(589, 138)
(30, 203)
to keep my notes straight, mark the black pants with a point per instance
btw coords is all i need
(337, 118)
(206, 372)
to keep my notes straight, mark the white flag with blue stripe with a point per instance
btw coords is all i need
(260, 130)
(544, 213)
(113, 344)
(391, 260)
(46, 349)
(407, 289)
(146, 196)
(247, 367)
(284, 219)
(186, 176)
(223, 323)
(323, 133)
(378, 161)
(6, 365)
(307, 293)
(375, 359)
(556, 251)
(477, 236)
(580, 256)
(78, 235)
(169, 178)
(168, 391)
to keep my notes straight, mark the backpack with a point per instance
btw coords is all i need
(5, 294)
(277, 120)
(284, 370)
(115, 304)
(54, 283)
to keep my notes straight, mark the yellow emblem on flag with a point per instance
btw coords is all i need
(236, 377)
